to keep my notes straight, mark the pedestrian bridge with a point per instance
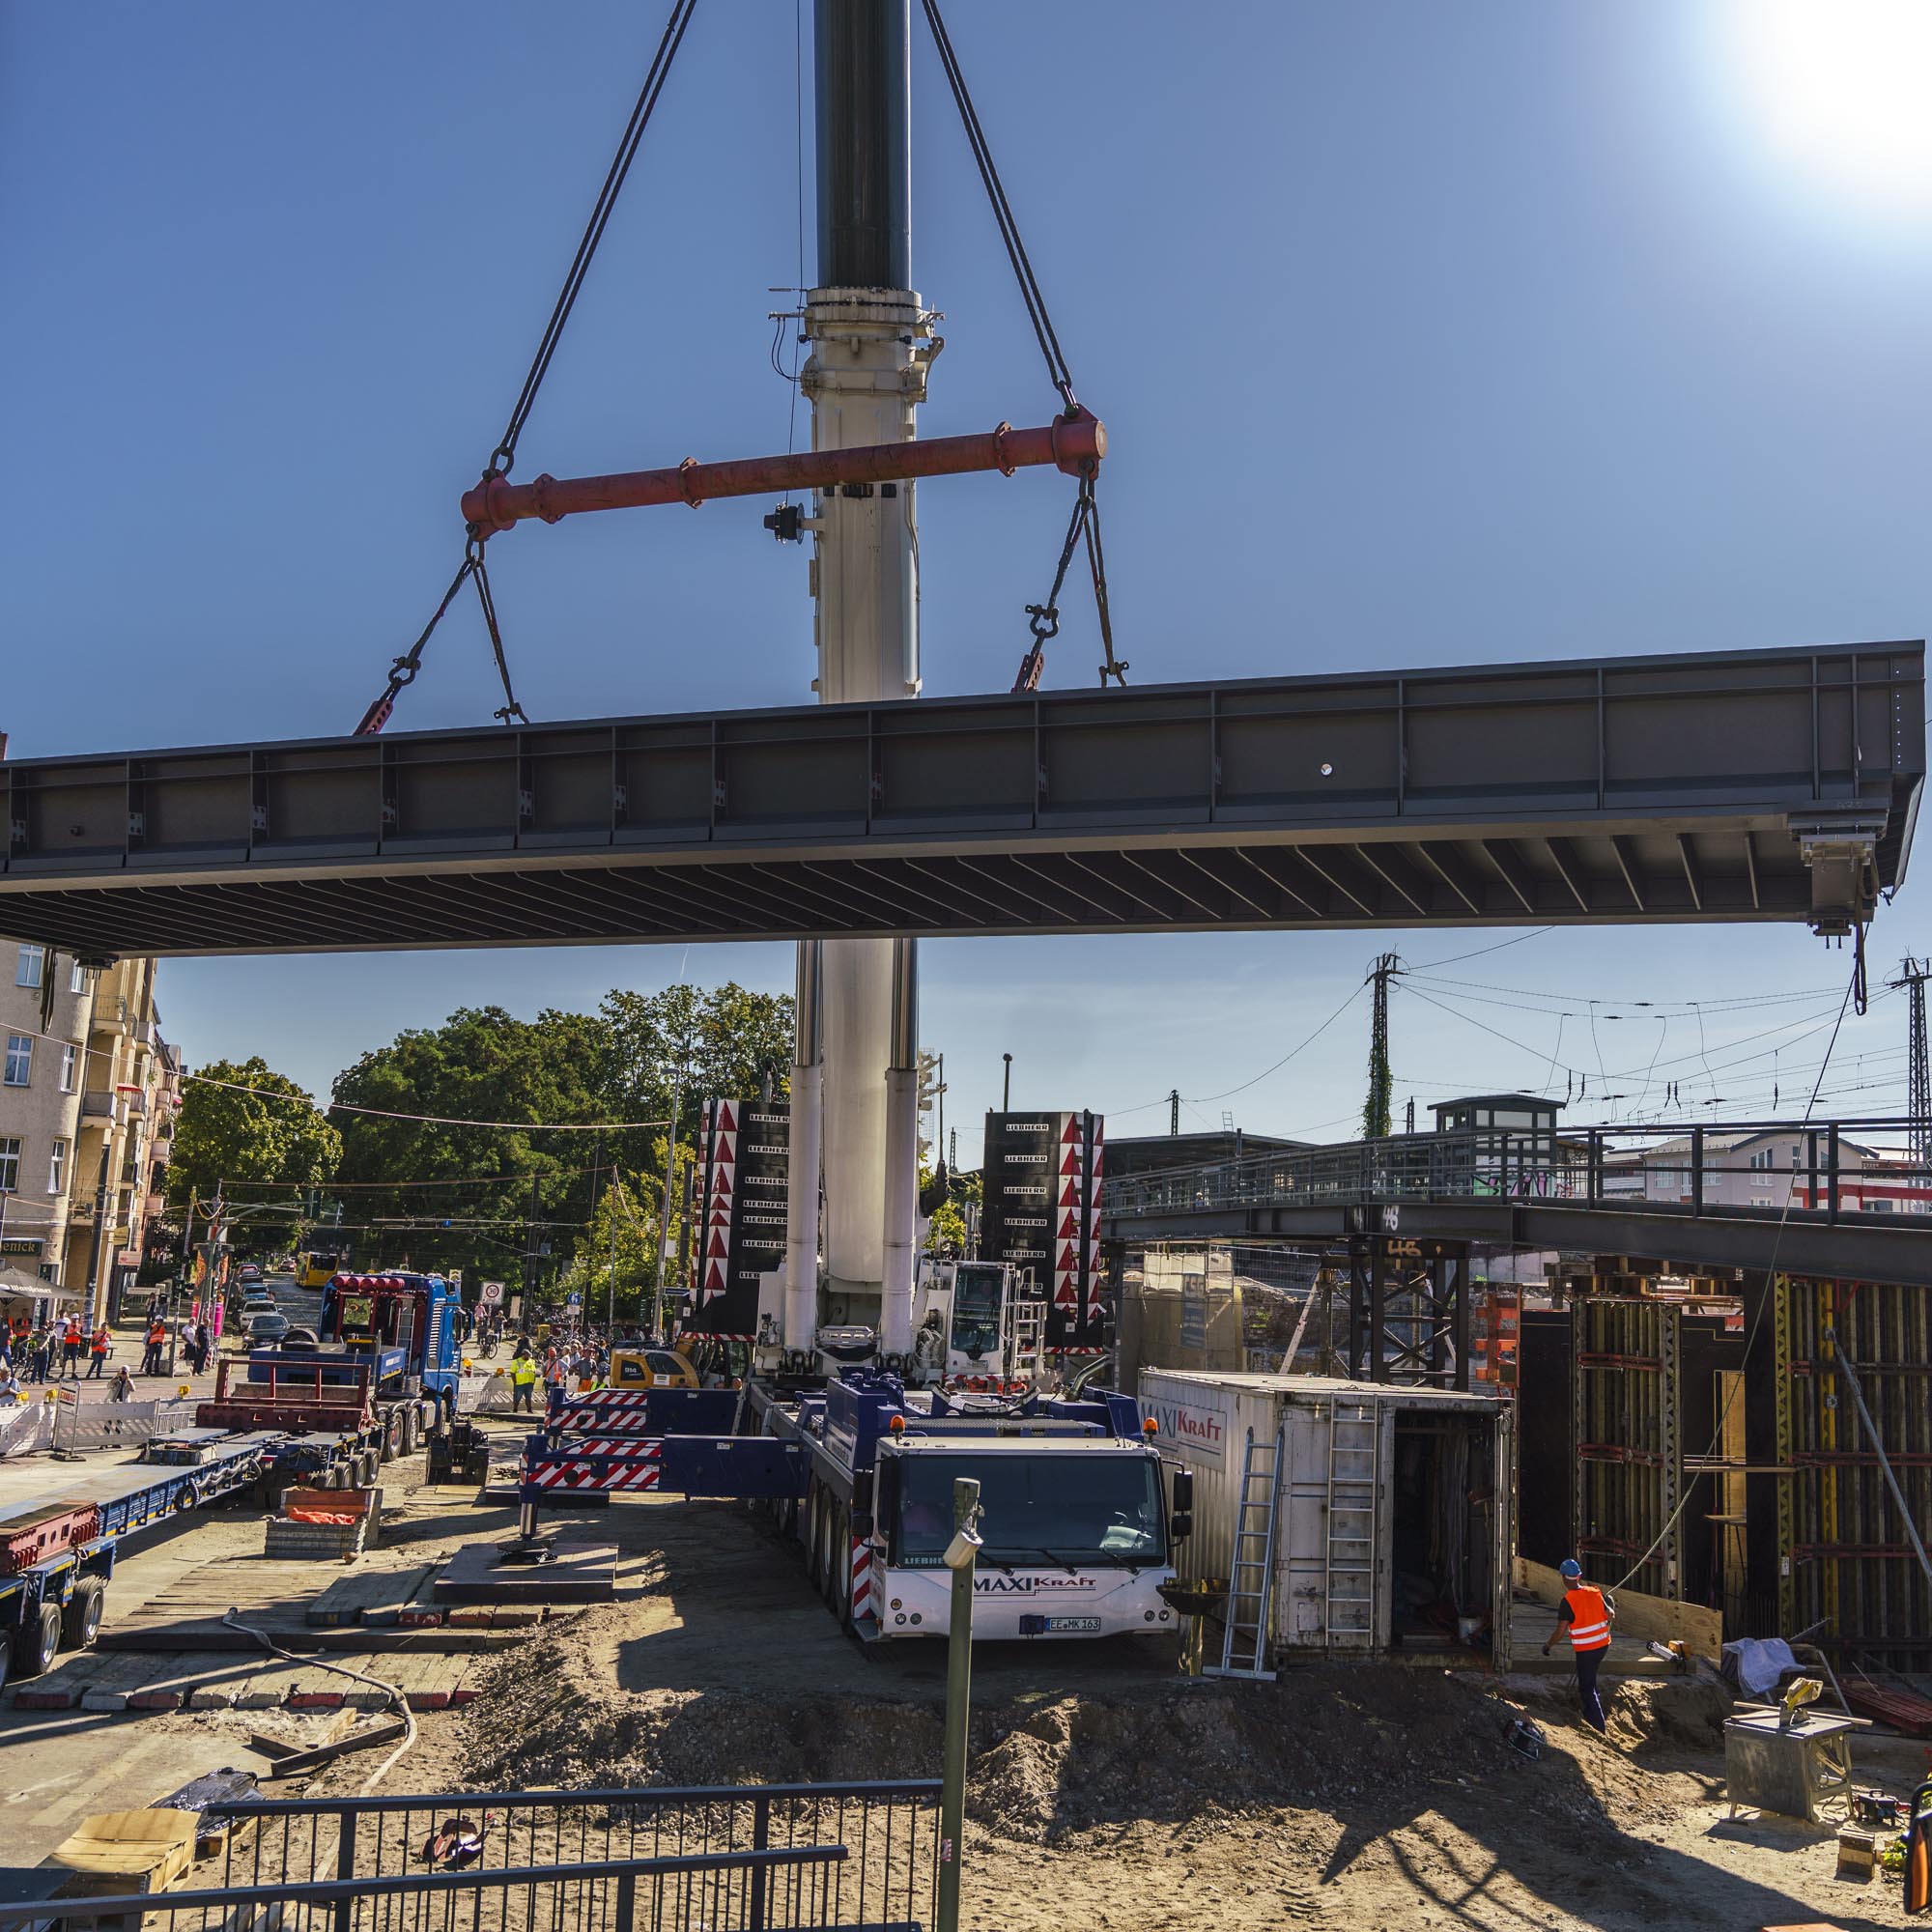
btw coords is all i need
(1681, 1194)
(1709, 786)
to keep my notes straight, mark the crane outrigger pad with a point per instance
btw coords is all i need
(1704, 787)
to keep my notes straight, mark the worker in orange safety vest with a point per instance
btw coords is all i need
(1589, 1614)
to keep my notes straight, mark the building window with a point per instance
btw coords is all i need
(33, 963)
(57, 1168)
(10, 1165)
(77, 980)
(19, 1058)
(70, 1065)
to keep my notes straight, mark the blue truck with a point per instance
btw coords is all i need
(382, 1378)
(1082, 1513)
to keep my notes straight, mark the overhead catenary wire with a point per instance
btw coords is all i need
(427, 1119)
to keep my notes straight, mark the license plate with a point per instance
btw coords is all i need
(1073, 1626)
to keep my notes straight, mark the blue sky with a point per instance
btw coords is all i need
(1424, 336)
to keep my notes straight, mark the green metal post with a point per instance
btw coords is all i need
(961, 1559)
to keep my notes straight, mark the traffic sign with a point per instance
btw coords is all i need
(573, 1301)
(491, 1292)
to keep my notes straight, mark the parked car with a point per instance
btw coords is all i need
(268, 1331)
(249, 1272)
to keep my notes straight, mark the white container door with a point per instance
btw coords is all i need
(1330, 1577)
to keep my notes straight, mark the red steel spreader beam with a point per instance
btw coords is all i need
(1074, 444)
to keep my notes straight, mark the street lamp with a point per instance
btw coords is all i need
(1006, 1090)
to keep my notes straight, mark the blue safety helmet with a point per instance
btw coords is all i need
(1571, 1566)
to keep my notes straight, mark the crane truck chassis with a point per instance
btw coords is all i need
(1081, 1513)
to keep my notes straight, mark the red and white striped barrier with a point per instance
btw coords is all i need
(603, 1419)
(861, 1578)
(636, 1468)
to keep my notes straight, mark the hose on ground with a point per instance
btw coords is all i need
(396, 1698)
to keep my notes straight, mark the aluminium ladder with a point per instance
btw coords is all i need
(1244, 1636)
(1353, 1518)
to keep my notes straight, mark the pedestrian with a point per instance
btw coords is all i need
(157, 1339)
(10, 1388)
(72, 1339)
(98, 1348)
(1589, 1614)
(204, 1343)
(122, 1388)
(522, 1380)
(39, 1348)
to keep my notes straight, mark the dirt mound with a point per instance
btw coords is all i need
(1048, 1765)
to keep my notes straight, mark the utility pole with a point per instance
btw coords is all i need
(1376, 1125)
(1911, 979)
(530, 1255)
(663, 1206)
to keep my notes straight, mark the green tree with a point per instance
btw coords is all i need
(946, 1233)
(450, 1191)
(694, 1044)
(616, 1258)
(257, 1136)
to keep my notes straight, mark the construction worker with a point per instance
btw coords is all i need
(74, 1338)
(523, 1379)
(40, 1346)
(157, 1339)
(1589, 1615)
(98, 1348)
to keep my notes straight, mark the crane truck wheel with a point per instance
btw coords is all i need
(391, 1426)
(81, 1621)
(406, 1439)
(841, 1564)
(816, 1547)
(37, 1641)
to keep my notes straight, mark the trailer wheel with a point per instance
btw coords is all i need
(333, 1477)
(80, 1622)
(37, 1642)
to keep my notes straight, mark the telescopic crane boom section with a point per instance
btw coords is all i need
(1073, 444)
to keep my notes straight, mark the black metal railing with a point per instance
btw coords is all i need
(782, 1858)
(888, 1830)
(1817, 1169)
(788, 1889)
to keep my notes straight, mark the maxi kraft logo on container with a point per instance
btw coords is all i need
(1195, 1423)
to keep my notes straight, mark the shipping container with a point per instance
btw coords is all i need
(1394, 1520)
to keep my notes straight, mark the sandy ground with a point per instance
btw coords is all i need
(1105, 1792)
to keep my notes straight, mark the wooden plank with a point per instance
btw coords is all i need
(1650, 1618)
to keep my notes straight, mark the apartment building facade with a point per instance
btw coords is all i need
(88, 1092)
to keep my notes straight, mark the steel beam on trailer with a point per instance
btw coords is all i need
(1717, 786)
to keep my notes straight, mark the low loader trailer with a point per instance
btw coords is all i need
(331, 1429)
(57, 1552)
(1081, 1512)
